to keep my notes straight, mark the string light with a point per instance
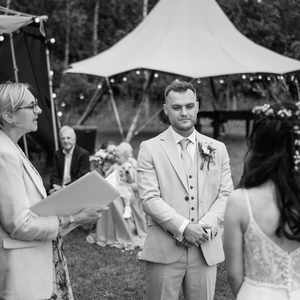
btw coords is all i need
(221, 81)
(244, 76)
(251, 78)
(268, 78)
(112, 80)
(138, 72)
(60, 114)
(37, 20)
(51, 73)
(124, 79)
(63, 104)
(53, 95)
(81, 96)
(1, 38)
(156, 75)
(99, 86)
(198, 81)
(52, 41)
(259, 77)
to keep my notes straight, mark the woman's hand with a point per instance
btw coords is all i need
(86, 215)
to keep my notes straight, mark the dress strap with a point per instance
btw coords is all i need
(248, 203)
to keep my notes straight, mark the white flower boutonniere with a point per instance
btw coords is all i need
(207, 153)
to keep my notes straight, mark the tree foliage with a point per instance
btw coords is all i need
(274, 24)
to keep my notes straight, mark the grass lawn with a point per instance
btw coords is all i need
(108, 273)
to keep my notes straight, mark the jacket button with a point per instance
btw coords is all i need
(186, 198)
(192, 219)
(190, 176)
(192, 208)
(192, 198)
(191, 187)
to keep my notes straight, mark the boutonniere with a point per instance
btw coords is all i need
(207, 153)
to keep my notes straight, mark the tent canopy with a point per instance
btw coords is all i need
(23, 58)
(193, 38)
(9, 24)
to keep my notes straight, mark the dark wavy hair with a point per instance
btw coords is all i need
(270, 156)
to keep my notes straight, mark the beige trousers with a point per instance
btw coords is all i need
(190, 272)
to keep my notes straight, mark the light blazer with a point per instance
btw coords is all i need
(26, 267)
(163, 189)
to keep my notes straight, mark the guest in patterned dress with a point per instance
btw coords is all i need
(32, 264)
(123, 224)
(262, 221)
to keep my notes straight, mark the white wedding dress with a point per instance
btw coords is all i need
(271, 273)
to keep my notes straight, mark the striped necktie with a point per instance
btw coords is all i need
(185, 156)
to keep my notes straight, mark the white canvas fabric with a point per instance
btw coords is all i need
(193, 38)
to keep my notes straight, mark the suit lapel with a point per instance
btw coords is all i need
(34, 175)
(170, 147)
(200, 173)
(74, 161)
(29, 168)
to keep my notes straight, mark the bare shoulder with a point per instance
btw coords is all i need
(236, 199)
(236, 205)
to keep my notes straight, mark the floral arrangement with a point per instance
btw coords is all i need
(103, 159)
(284, 113)
(289, 115)
(207, 153)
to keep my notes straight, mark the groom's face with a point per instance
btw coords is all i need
(181, 109)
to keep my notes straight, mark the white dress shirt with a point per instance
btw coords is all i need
(67, 165)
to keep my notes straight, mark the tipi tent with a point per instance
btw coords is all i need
(23, 57)
(193, 38)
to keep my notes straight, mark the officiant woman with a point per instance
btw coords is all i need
(32, 265)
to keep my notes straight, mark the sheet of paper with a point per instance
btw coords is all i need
(89, 191)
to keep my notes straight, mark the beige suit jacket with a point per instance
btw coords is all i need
(26, 268)
(163, 189)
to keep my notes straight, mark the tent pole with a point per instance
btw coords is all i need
(52, 104)
(147, 122)
(15, 67)
(98, 94)
(145, 96)
(297, 88)
(115, 108)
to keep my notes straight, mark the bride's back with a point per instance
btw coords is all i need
(266, 215)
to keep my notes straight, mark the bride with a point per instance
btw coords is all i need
(262, 220)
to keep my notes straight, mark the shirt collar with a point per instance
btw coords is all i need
(178, 137)
(70, 152)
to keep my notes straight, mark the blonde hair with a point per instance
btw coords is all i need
(11, 97)
(125, 150)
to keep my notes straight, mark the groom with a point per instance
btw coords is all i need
(184, 180)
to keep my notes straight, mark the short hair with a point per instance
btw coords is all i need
(11, 97)
(67, 128)
(125, 149)
(179, 86)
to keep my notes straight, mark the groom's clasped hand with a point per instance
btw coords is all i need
(196, 234)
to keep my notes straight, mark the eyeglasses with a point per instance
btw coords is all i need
(34, 106)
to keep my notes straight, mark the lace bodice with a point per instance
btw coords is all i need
(265, 262)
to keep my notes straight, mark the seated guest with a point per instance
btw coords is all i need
(70, 162)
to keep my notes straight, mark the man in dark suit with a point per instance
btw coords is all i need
(70, 162)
